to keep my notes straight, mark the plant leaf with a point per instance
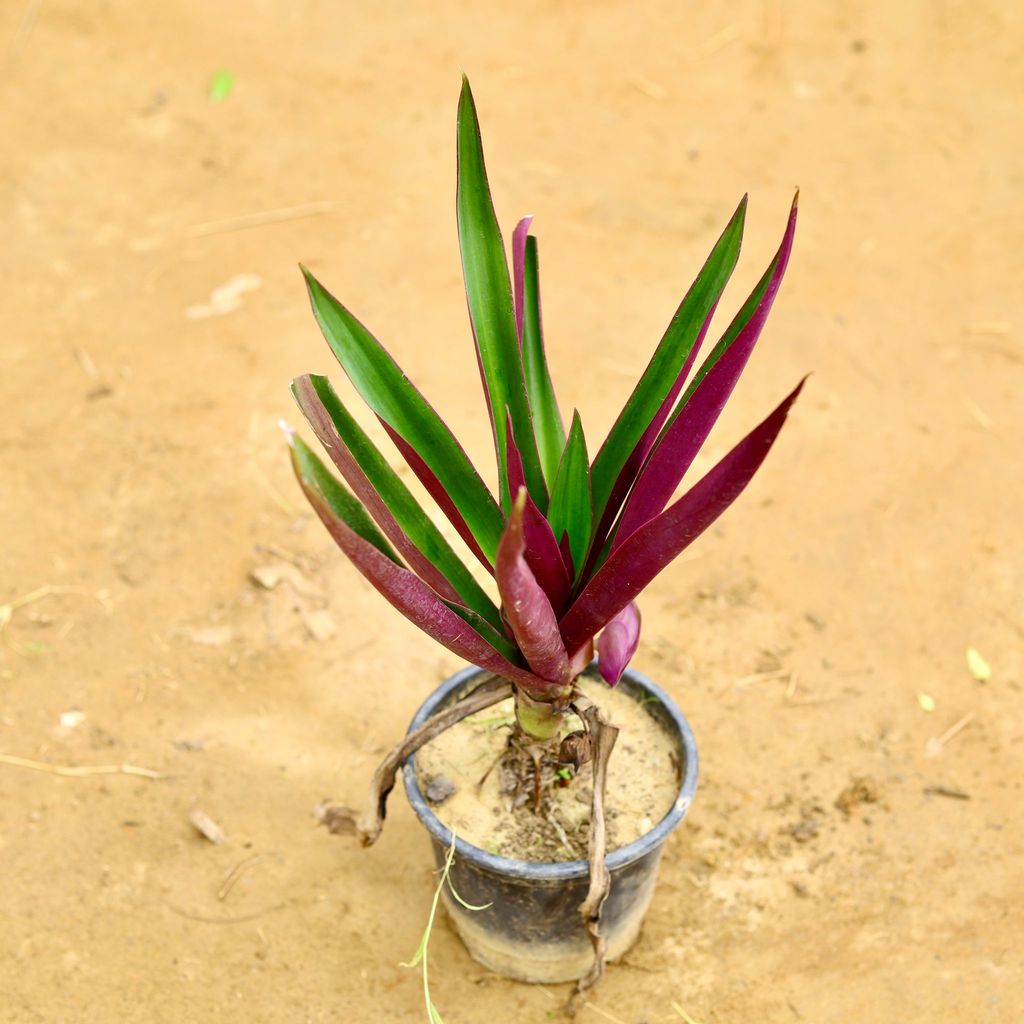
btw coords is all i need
(547, 420)
(391, 395)
(571, 510)
(489, 294)
(387, 498)
(342, 505)
(498, 639)
(750, 308)
(628, 474)
(655, 544)
(404, 589)
(542, 552)
(527, 608)
(690, 424)
(435, 488)
(668, 360)
(617, 643)
(518, 260)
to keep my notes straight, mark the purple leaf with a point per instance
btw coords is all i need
(617, 643)
(419, 604)
(436, 490)
(692, 422)
(542, 552)
(319, 419)
(526, 606)
(519, 275)
(656, 543)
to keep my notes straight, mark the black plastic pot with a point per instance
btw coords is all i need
(532, 929)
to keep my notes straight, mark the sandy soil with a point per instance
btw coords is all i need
(467, 766)
(141, 470)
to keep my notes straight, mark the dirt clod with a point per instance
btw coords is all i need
(861, 790)
(439, 788)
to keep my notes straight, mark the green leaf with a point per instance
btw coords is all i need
(572, 511)
(317, 476)
(668, 360)
(404, 508)
(547, 420)
(392, 396)
(221, 85)
(489, 294)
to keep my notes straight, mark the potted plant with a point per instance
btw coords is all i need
(570, 542)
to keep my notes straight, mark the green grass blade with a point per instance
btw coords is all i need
(489, 294)
(668, 360)
(391, 395)
(572, 510)
(404, 509)
(547, 420)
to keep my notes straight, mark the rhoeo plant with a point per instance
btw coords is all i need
(569, 539)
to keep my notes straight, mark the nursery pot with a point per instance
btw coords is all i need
(532, 929)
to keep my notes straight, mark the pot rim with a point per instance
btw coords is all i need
(544, 871)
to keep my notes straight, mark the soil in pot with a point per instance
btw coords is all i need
(500, 815)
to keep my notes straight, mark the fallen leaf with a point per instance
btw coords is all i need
(206, 826)
(978, 666)
(225, 298)
(320, 624)
(267, 576)
(221, 85)
(211, 636)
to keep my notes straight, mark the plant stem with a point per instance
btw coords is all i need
(539, 719)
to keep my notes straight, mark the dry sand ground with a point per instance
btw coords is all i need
(141, 467)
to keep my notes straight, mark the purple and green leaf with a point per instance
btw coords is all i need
(663, 371)
(489, 295)
(387, 499)
(519, 235)
(691, 423)
(547, 420)
(407, 414)
(652, 547)
(343, 505)
(399, 585)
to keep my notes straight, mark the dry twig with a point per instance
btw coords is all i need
(258, 219)
(232, 877)
(604, 735)
(77, 770)
(343, 820)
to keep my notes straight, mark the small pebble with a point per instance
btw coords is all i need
(439, 789)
